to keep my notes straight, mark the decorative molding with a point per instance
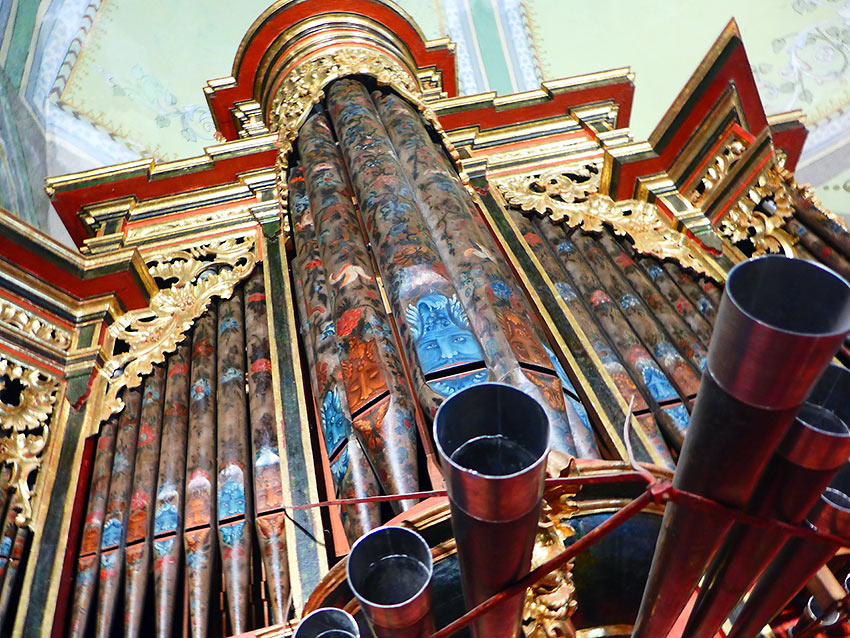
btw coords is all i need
(24, 431)
(33, 325)
(759, 214)
(569, 195)
(194, 275)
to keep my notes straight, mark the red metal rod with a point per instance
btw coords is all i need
(599, 479)
(561, 559)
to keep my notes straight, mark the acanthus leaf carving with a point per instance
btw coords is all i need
(759, 214)
(569, 195)
(193, 276)
(27, 399)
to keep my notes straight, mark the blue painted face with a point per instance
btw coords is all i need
(441, 333)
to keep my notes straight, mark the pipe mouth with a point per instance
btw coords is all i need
(791, 295)
(832, 391)
(389, 567)
(327, 622)
(818, 440)
(492, 430)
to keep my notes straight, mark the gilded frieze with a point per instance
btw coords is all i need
(27, 398)
(718, 168)
(33, 326)
(191, 277)
(569, 195)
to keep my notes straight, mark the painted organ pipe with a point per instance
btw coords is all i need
(157, 497)
(234, 473)
(779, 324)
(268, 490)
(609, 357)
(372, 371)
(352, 475)
(115, 522)
(89, 557)
(497, 308)
(140, 520)
(671, 418)
(200, 476)
(433, 324)
(168, 516)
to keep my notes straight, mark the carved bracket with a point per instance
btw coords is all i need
(569, 195)
(190, 277)
(27, 397)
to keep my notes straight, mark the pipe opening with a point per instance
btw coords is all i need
(791, 295)
(389, 567)
(833, 391)
(823, 420)
(493, 430)
(328, 622)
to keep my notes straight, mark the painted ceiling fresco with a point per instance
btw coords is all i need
(86, 83)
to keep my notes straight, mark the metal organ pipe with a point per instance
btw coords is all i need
(779, 323)
(493, 442)
(810, 455)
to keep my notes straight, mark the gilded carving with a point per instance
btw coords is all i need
(550, 602)
(193, 276)
(27, 397)
(569, 195)
(760, 213)
(717, 169)
(34, 326)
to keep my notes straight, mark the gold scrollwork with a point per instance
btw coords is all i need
(27, 397)
(550, 602)
(34, 326)
(193, 276)
(569, 195)
(759, 214)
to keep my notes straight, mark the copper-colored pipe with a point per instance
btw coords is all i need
(814, 449)
(328, 622)
(799, 560)
(389, 570)
(493, 443)
(779, 323)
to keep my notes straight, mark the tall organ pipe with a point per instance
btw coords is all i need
(497, 307)
(199, 510)
(779, 323)
(799, 560)
(815, 448)
(268, 490)
(373, 373)
(493, 442)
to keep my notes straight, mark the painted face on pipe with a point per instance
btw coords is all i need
(441, 333)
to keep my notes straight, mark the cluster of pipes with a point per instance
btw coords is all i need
(768, 437)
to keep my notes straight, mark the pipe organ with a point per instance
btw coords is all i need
(243, 336)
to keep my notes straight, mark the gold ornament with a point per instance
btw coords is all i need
(194, 276)
(26, 403)
(762, 226)
(34, 326)
(569, 195)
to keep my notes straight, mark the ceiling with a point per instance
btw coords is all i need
(96, 82)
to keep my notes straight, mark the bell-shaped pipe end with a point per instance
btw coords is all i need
(327, 622)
